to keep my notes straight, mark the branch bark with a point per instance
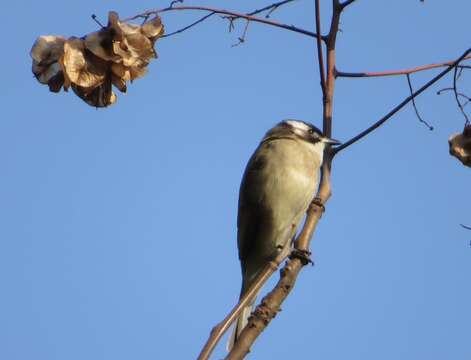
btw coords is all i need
(396, 72)
(218, 331)
(271, 303)
(320, 55)
(402, 104)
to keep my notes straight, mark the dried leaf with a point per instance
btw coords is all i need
(153, 29)
(56, 82)
(91, 65)
(82, 67)
(135, 50)
(46, 52)
(130, 42)
(119, 83)
(100, 43)
(100, 96)
(128, 73)
(47, 49)
(44, 73)
(460, 146)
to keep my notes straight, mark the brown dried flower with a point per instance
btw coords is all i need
(117, 54)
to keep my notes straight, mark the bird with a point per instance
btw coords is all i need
(277, 187)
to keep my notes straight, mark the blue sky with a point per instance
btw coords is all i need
(118, 226)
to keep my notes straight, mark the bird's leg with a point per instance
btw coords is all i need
(302, 255)
(318, 202)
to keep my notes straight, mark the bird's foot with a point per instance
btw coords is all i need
(302, 255)
(318, 202)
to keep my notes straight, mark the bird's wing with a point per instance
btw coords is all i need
(253, 218)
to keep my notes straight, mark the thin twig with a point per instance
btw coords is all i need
(401, 105)
(270, 8)
(397, 72)
(458, 102)
(466, 227)
(189, 26)
(94, 17)
(218, 331)
(175, 2)
(242, 38)
(224, 12)
(320, 55)
(270, 305)
(415, 105)
(466, 97)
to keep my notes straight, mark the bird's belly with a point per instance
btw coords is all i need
(289, 194)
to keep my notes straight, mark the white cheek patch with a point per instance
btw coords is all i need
(318, 149)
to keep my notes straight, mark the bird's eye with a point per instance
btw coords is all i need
(311, 131)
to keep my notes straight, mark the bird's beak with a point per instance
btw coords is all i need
(330, 141)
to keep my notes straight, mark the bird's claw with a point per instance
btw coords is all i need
(302, 255)
(318, 202)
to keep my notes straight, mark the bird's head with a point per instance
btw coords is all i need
(300, 130)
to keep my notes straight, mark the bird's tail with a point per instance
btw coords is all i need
(240, 324)
(243, 319)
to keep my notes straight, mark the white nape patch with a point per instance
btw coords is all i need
(298, 125)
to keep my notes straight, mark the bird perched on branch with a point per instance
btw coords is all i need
(277, 187)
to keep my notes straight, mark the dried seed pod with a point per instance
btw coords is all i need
(100, 43)
(131, 42)
(119, 83)
(128, 73)
(47, 49)
(460, 146)
(114, 55)
(134, 50)
(46, 52)
(80, 66)
(153, 29)
(100, 96)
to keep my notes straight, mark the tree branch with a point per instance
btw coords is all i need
(415, 105)
(270, 8)
(270, 305)
(346, 3)
(200, 20)
(320, 55)
(455, 91)
(218, 331)
(233, 14)
(397, 72)
(402, 104)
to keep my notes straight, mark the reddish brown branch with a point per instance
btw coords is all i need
(396, 72)
(218, 331)
(269, 8)
(320, 55)
(402, 104)
(271, 304)
(233, 14)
